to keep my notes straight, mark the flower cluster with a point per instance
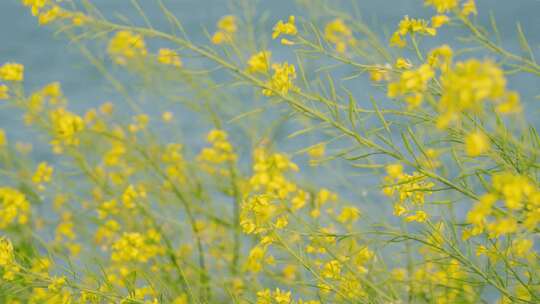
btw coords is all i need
(410, 191)
(14, 207)
(282, 79)
(137, 247)
(169, 57)
(468, 84)
(413, 27)
(339, 34)
(285, 28)
(7, 260)
(126, 46)
(411, 85)
(521, 205)
(66, 127)
(42, 175)
(221, 153)
(259, 62)
(12, 72)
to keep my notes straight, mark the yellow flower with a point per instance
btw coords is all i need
(282, 297)
(331, 270)
(35, 5)
(349, 214)
(439, 20)
(226, 28)
(469, 7)
(167, 116)
(125, 46)
(402, 63)
(317, 151)
(510, 104)
(282, 28)
(169, 57)
(378, 73)
(4, 91)
(410, 26)
(6, 252)
(43, 173)
(522, 248)
(12, 72)
(476, 143)
(255, 259)
(66, 127)
(282, 80)
(181, 299)
(260, 62)
(411, 85)
(137, 247)
(419, 216)
(442, 6)
(3, 139)
(502, 226)
(440, 57)
(56, 284)
(339, 34)
(49, 16)
(227, 24)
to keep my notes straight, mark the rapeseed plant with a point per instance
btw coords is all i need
(125, 209)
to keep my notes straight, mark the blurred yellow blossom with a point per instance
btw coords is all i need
(12, 72)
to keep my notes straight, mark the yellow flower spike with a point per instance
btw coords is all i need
(282, 28)
(476, 143)
(169, 57)
(12, 72)
(259, 62)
